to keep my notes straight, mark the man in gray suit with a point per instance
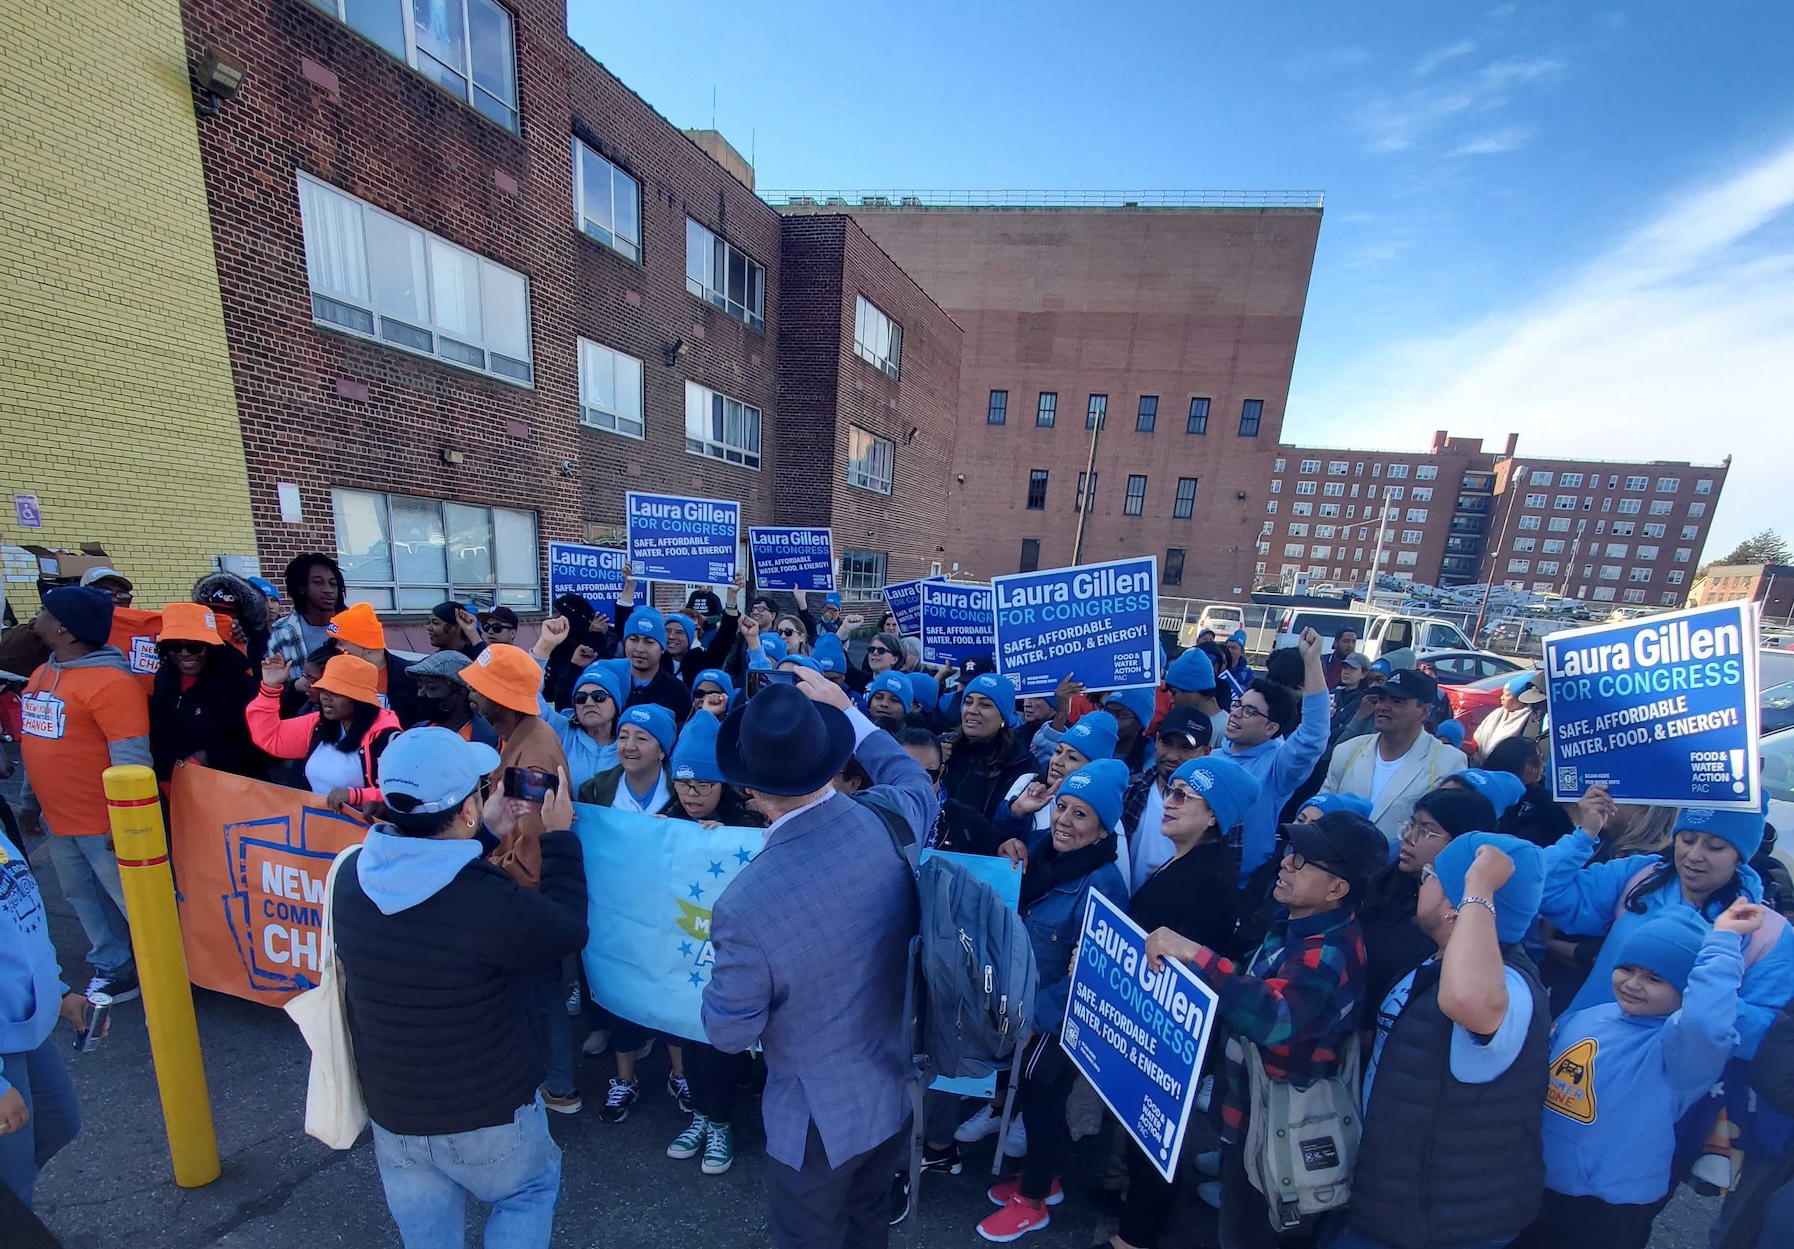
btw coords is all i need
(812, 942)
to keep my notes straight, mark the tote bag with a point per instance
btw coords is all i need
(334, 1110)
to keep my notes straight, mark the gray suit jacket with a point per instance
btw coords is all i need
(812, 945)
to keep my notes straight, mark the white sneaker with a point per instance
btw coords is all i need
(1210, 1193)
(985, 1123)
(596, 1042)
(1015, 1145)
(1203, 1093)
(1209, 1163)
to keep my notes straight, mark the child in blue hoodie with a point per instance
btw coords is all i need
(38, 1110)
(1623, 1072)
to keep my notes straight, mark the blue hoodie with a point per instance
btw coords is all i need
(1582, 899)
(1632, 1077)
(31, 985)
(1279, 766)
(585, 757)
(397, 873)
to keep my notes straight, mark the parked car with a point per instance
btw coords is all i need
(1472, 701)
(1775, 692)
(1329, 624)
(1389, 632)
(1223, 618)
(1461, 667)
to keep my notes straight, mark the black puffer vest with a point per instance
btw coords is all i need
(1444, 1162)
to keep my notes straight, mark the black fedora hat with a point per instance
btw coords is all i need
(780, 742)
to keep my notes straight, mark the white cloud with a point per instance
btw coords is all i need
(1394, 122)
(1493, 143)
(1676, 343)
(1439, 56)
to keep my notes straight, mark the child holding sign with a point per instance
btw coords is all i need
(1622, 1074)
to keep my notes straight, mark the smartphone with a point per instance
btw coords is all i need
(530, 784)
(759, 678)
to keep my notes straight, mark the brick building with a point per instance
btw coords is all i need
(1772, 585)
(1174, 323)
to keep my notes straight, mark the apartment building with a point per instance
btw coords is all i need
(1772, 585)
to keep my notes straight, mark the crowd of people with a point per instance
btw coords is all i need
(1523, 1008)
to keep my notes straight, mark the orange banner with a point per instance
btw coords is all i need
(249, 865)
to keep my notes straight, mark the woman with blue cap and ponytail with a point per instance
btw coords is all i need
(1060, 871)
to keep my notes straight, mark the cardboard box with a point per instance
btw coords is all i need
(56, 564)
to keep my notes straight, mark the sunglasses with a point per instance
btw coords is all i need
(497, 628)
(788, 633)
(590, 696)
(879, 650)
(185, 648)
(1179, 794)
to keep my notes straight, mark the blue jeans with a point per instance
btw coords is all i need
(88, 871)
(43, 1081)
(515, 1168)
(551, 1008)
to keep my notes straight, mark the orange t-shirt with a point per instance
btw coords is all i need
(134, 632)
(70, 717)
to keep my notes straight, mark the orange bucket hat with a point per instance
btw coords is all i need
(358, 626)
(352, 678)
(508, 675)
(189, 622)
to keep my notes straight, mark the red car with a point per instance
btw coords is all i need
(1471, 703)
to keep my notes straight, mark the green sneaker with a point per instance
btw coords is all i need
(719, 1148)
(689, 1142)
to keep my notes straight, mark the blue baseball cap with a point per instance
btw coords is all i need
(266, 587)
(434, 768)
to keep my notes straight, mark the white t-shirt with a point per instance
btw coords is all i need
(1472, 1061)
(328, 768)
(1150, 848)
(1382, 771)
(627, 801)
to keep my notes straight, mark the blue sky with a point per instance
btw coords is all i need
(1571, 221)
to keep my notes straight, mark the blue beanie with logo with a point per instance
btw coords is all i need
(599, 673)
(829, 654)
(654, 720)
(1191, 671)
(801, 661)
(895, 684)
(694, 757)
(1101, 783)
(1001, 691)
(1229, 789)
(925, 690)
(676, 621)
(1665, 944)
(717, 677)
(647, 622)
(774, 645)
(1743, 830)
(1094, 735)
(1517, 902)
(1138, 701)
(1502, 789)
(1326, 804)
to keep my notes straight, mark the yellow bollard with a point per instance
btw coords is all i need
(142, 848)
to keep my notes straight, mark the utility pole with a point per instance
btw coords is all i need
(1077, 546)
(1376, 555)
(1576, 546)
(1513, 480)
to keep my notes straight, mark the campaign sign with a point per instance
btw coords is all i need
(1138, 1035)
(675, 538)
(956, 622)
(594, 573)
(904, 598)
(1005, 877)
(1661, 710)
(1096, 622)
(792, 558)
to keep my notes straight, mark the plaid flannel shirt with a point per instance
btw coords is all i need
(1296, 1001)
(286, 639)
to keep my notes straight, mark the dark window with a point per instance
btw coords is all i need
(1048, 411)
(1136, 495)
(1149, 414)
(1097, 413)
(999, 408)
(1174, 566)
(1185, 506)
(1037, 484)
(1251, 412)
(1030, 555)
(1078, 504)
(1198, 417)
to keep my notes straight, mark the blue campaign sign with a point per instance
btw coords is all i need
(594, 573)
(1006, 878)
(792, 558)
(1138, 1035)
(956, 622)
(675, 538)
(1661, 710)
(904, 598)
(1096, 622)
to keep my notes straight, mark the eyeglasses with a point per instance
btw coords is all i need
(1413, 830)
(1427, 873)
(590, 696)
(1297, 861)
(184, 648)
(1249, 713)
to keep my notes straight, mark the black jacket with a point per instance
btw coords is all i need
(440, 995)
(1195, 895)
(980, 773)
(1772, 1078)
(1394, 944)
(666, 689)
(1537, 818)
(696, 658)
(207, 717)
(401, 691)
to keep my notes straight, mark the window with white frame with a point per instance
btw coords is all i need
(1637, 483)
(719, 273)
(1553, 546)
(1294, 550)
(607, 203)
(1559, 524)
(1610, 572)
(1412, 537)
(1301, 509)
(1674, 576)
(610, 390)
(1639, 574)
(1616, 550)
(1694, 509)
(1564, 503)
(1320, 552)
(1277, 465)
(1519, 565)
(1417, 516)
(1529, 522)
(1339, 468)
(1688, 532)
(1326, 531)
(1656, 531)
(877, 338)
(1404, 559)
(1329, 509)
(1309, 466)
(1334, 489)
(1683, 554)
(1621, 528)
(1535, 500)
(720, 428)
(1394, 494)
(1647, 552)
(1525, 544)
(869, 460)
(1398, 471)
(1663, 507)
(1668, 485)
(1603, 594)
(405, 554)
(1633, 596)
(1276, 485)
(1305, 487)
(1426, 472)
(1668, 599)
(450, 42)
(1703, 486)
(1423, 494)
(1572, 481)
(380, 277)
(1270, 507)
(1631, 507)
(1548, 567)
(862, 572)
(1298, 531)
(1539, 477)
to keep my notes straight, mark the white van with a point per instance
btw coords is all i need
(1424, 633)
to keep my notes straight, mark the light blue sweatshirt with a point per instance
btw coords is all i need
(585, 757)
(31, 985)
(1279, 766)
(1641, 1074)
(397, 873)
(1581, 898)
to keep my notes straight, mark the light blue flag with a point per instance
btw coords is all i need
(650, 885)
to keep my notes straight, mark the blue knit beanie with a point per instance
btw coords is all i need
(1665, 944)
(83, 611)
(694, 757)
(1517, 902)
(1451, 733)
(1094, 735)
(1238, 635)
(1229, 789)
(925, 690)
(832, 599)
(1001, 691)
(718, 678)
(1742, 829)
(1191, 671)
(1351, 803)
(895, 684)
(620, 672)
(774, 645)
(1101, 783)
(655, 720)
(1502, 789)
(605, 678)
(647, 622)
(1138, 701)
(829, 654)
(801, 661)
(676, 621)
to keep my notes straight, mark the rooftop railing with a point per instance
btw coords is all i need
(1043, 199)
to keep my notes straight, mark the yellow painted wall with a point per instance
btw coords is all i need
(116, 407)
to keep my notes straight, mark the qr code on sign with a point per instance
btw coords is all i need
(1568, 779)
(1069, 1035)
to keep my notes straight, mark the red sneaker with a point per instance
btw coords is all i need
(1016, 1219)
(1005, 1191)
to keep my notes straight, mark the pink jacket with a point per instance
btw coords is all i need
(291, 739)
